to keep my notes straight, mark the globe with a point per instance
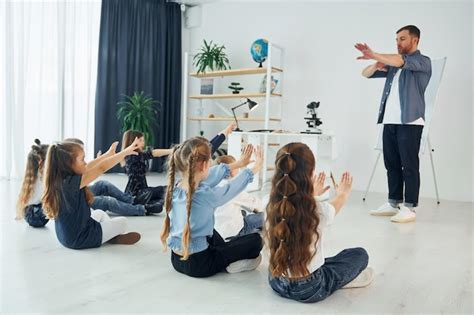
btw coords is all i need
(259, 50)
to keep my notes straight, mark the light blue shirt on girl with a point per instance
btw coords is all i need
(207, 197)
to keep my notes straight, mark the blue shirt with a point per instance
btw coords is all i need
(415, 75)
(74, 226)
(207, 197)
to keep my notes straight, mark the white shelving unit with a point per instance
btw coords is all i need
(197, 100)
(274, 100)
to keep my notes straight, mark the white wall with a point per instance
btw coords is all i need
(320, 65)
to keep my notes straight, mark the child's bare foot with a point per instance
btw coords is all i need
(125, 239)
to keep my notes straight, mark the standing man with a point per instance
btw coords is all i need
(402, 112)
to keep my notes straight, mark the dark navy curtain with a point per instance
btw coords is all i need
(139, 50)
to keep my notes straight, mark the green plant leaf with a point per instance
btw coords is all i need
(138, 112)
(211, 56)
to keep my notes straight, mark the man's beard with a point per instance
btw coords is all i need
(403, 51)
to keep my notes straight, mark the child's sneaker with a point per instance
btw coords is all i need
(154, 208)
(404, 215)
(362, 280)
(244, 265)
(125, 239)
(385, 210)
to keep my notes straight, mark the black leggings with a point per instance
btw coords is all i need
(218, 255)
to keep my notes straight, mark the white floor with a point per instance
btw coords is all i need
(422, 267)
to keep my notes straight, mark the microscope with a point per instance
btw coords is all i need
(313, 122)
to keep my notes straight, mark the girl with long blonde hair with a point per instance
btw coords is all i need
(197, 249)
(29, 200)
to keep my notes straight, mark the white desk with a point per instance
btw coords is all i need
(323, 147)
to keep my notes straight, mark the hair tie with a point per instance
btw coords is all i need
(282, 240)
(287, 153)
(286, 174)
(283, 219)
(285, 197)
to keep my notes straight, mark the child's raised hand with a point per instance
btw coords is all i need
(258, 160)
(345, 186)
(245, 158)
(318, 184)
(228, 130)
(130, 150)
(111, 150)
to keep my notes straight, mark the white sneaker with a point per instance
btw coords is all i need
(362, 280)
(244, 265)
(386, 210)
(404, 215)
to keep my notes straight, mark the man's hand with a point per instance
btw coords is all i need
(367, 53)
(381, 66)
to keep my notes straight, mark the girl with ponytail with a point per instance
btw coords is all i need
(295, 226)
(67, 200)
(197, 249)
(29, 200)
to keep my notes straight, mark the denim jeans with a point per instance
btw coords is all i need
(109, 197)
(105, 188)
(401, 146)
(253, 223)
(336, 272)
(34, 216)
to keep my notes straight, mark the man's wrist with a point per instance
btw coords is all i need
(376, 57)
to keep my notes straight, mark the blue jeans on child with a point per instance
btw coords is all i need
(336, 272)
(34, 216)
(253, 223)
(109, 197)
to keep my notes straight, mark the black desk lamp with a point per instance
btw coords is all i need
(252, 106)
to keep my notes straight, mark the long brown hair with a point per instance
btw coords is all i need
(184, 159)
(34, 169)
(58, 166)
(127, 139)
(87, 190)
(292, 218)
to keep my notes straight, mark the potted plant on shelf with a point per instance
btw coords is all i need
(210, 57)
(235, 87)
(138, 112)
